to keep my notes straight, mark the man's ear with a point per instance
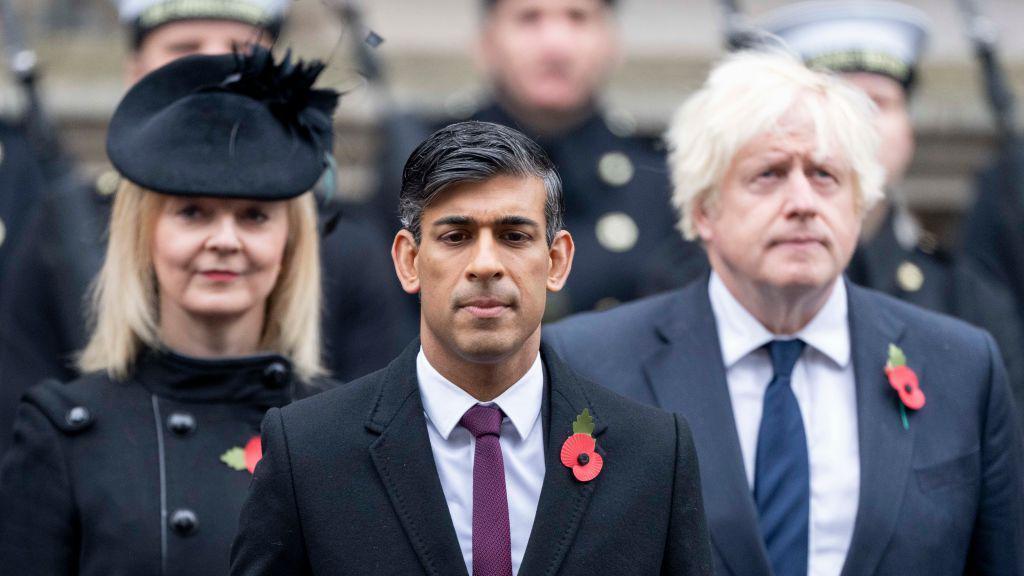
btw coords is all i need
(560, 255)
(702, 217)
(404, 252)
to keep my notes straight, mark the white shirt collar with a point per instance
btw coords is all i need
(739, 333)
(444, 403)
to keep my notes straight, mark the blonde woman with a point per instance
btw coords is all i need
(205, 316)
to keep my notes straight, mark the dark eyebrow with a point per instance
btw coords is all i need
(453, 221)
(516, 221)
(503, 221)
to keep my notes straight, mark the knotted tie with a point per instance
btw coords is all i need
(782, 473)
(492, 547)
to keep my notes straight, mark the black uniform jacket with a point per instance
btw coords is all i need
(42, 311)
(993, 229)
(617, 202)
(21, 186)
(957, 287)
(617, 208)
(110, 478)
(348, 485)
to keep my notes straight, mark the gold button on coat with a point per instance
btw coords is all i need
(615, 169)
(617, 232)
(910, 277)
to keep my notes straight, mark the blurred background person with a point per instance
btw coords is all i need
(993, 231)
(205, 315)
(546, 63)
(665, 50)
(61, 250)
(876, 46)
(42, 309)
(29, 156)
(21, 186)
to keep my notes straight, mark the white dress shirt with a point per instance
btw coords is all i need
(823, 383)
(522, 450)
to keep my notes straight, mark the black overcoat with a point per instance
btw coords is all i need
(139, 476)
(348, 485)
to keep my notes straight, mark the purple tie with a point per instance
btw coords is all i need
(492, 547)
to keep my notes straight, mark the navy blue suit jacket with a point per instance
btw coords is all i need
(945, 496)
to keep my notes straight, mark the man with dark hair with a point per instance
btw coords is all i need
(546, 62)
(423, 179)
(60, 251)
(476, 451)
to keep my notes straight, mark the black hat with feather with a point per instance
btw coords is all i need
(235, 126)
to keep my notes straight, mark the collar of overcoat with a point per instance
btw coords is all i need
(687, 376)
(404, 460)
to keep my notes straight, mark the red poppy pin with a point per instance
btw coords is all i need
(904, 380)
(578, 451)
(244, 458)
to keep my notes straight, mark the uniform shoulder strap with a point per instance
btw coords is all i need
(55, 400)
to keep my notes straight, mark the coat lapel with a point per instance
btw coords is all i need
(563, 500)
(405, 462)
(687, 376)
(885, 447)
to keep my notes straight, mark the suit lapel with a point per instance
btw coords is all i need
(563, 500)
(405, 462)
(687, 376)
(885, 447)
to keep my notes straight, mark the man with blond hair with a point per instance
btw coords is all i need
(838, 430)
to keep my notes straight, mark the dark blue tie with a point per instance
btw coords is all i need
(782, 489)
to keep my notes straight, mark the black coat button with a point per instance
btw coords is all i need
(78, 417)
(184, 522)
(181, 423)
(275, 375)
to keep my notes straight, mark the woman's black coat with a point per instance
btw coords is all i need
(136, 477)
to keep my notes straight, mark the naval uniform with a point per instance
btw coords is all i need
(42, 307)
(617, 203)
(933, 279)
(21, 185)
(993, 234)
(142, 476)
(617, 208)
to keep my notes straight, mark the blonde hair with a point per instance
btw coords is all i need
(124, 308)
(746, 95)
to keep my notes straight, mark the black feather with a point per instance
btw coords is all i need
(287, 90)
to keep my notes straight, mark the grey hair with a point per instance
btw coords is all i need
(473, 152)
